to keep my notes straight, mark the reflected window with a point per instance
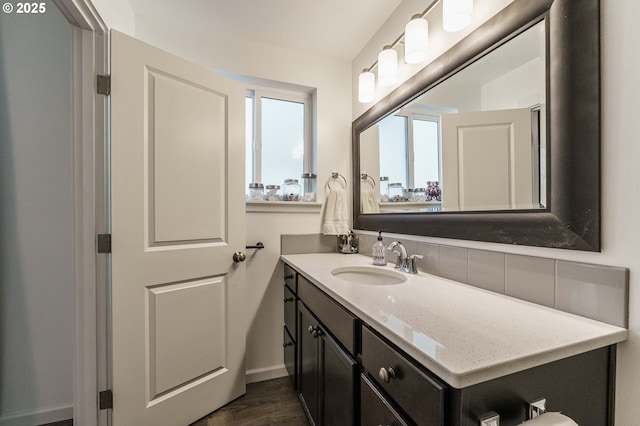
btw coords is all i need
(393, 148)
(426, 152)
(409, 149)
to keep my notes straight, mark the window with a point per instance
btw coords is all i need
(279, 142)
(409, 145)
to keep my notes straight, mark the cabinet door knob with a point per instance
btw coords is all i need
(386, 374)
(314, 331)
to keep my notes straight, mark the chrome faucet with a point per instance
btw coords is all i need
(412, 267)
(401, 260)
(404, 262)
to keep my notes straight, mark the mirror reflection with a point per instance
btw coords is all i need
(475, 142)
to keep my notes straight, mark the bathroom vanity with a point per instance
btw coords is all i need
(419, 349)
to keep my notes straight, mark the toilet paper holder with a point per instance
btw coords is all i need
(536, 408)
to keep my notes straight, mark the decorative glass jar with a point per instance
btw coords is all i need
(420, 194)
(396, 191)
(410, 194)
(272, 193)
(256, 191)
(309, 184)
(291, 190)
(384, 188)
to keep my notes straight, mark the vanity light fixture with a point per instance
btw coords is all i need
(456, 14)
(416, 40)
(387, 66)
(366, 86)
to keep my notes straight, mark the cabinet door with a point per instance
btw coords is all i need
(309, 365)
(337, 378)
(290, 304)
(290, 363)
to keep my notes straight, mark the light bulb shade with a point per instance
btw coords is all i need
(366, 87)
(456, 14)
(387, 66)
(416, 40)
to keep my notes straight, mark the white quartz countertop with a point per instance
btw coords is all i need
(463, 334)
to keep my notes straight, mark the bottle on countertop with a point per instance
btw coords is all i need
(379, 252)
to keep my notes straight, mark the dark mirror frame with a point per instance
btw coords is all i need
(572, 217)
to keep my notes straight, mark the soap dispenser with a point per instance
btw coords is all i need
(379, 252)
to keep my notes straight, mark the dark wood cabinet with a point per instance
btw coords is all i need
(348, 373)
(290, 332)
(327, 373)
(309, 378)
(376, 409)
(418, 393)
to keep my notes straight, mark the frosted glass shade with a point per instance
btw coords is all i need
(416, 40)
(387, 66)
(456, 14)
(366, 87)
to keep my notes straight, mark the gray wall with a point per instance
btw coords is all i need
(36, 192)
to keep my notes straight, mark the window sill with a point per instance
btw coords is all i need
(283, 207)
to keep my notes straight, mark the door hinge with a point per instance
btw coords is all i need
(105, 399)
(104, 243)
(104, 85)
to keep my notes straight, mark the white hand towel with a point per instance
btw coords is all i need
(336, 219)
(368, 202)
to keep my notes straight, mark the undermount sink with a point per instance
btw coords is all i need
(371, 275)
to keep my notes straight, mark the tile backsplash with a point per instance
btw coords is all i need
(593, 291)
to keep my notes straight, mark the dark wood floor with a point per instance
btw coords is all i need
(272, 402)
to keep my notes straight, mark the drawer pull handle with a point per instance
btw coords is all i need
(386, 374)
(288, 277)
(289, 299)
(314, 331)
(285, 344)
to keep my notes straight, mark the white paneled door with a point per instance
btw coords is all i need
(487, 160)
(177, 156)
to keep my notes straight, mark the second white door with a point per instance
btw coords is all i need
(487, 160)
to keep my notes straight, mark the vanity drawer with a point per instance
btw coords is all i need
(333, 316)
(290, 314)
(290, 278)
(376, 410)
(419, 395)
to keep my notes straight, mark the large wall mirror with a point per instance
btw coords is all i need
(496, 140)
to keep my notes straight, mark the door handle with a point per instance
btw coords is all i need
(239, 257)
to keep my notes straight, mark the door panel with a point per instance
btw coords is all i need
(177, 155)
(186, 160)
(338, 374)
(187, 338)
(309, 365)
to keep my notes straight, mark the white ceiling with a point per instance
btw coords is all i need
(338, 28)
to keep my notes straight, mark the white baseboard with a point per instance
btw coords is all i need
(266, 373)
(40, 417)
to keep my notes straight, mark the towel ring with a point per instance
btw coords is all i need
(335, 177)
(365, 176)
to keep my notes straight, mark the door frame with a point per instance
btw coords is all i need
(90, 43)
